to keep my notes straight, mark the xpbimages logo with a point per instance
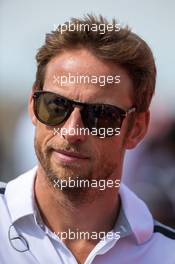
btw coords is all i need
(101, 132)
(82, 27)
(100, 184)
(73, 235)
(101, 80)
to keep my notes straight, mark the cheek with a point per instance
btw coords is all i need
(109, 149)
(43, 135)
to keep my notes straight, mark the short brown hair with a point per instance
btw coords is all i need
(122, 47)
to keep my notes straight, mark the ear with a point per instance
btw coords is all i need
(30, 109)
(138, 130)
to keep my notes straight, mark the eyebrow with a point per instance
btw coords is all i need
(73, 100)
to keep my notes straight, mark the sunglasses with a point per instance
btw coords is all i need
(52, 109)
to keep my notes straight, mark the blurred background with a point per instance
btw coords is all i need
(149, 169)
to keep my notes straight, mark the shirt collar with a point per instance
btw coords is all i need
(137, 214)
(122, 225)
(134, 217)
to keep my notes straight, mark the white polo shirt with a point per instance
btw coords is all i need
(25, 239)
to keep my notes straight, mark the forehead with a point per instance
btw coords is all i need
(82, 62)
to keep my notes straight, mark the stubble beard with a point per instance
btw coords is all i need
(54, 173)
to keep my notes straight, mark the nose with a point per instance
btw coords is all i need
(73, 129)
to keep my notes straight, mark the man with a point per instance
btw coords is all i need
(89, 104)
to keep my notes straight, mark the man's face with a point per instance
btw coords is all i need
(104, 155)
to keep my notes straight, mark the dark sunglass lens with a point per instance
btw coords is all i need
(105, 118)
(109, 118)
(51, 109)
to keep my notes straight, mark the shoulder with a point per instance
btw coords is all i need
(2, 187)
(21, 185)
(3, 208)
(164, 230)
(160, 247)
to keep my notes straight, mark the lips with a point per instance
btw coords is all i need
(72, 154)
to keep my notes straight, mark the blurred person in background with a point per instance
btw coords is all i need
(153, 170)
(23, 153)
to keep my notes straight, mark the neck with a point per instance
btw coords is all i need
(61, 213)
